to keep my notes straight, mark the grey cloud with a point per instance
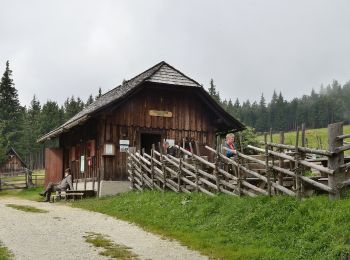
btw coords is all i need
(62, 48)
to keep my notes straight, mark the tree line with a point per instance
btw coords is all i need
(20, 126)
(331, 104)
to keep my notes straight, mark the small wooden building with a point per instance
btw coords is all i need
(160, 103)
(13, 164)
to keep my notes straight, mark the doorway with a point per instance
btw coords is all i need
(147, 140)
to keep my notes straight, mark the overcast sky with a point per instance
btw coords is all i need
(62, 48)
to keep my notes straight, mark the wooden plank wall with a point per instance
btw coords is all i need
(12, 164)
(190, 119)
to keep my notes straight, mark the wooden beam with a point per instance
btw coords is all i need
(302, 149)
(290, 158)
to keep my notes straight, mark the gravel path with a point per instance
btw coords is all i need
(59, 233)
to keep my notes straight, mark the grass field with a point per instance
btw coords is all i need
(238, 228)
(29, 194)
(316, 138)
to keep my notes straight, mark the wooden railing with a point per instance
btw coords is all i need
(282, 169)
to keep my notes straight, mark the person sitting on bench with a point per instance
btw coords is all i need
(61, 186)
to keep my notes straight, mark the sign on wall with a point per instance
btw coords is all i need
(171, 142)
(109, 149)
(160, 113)
(124, 145)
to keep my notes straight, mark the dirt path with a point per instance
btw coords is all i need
(59, 233)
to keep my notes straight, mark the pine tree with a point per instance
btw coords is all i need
(262, 115)
(99, 93)
(72, 107)
(31, 129)
(213, 92)
(273, 110)
(10, 111)
(51, 116)
(280, 123)
(89, 101)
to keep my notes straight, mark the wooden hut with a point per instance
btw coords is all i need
(160, 103)
(13, 164)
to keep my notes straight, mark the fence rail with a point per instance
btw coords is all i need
(281, 169)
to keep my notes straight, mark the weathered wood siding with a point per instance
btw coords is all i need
(12, 164)
(190, 119)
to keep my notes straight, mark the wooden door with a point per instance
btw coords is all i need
(53, 165)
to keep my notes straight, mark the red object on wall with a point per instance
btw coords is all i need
(90, 148)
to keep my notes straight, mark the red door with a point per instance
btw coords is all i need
(53, 165)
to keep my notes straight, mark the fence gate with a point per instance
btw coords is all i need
(14, 180)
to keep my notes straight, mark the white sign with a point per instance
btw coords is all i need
(124, 145)
(109, 149)
(82, 163)
(170, 141)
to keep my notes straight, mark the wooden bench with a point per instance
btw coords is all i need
(66, 195)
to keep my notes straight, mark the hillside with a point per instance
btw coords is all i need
(315, 138)
(226, 227)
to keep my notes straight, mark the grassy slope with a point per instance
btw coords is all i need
(239, 228)
(310, 135)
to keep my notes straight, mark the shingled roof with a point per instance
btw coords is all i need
(160, 73)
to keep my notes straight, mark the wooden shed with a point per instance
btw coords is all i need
(13, 164)
(160, 103)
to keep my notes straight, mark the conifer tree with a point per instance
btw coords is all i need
(10, 111)
(213, 92)
(99, 93)
(89, 100)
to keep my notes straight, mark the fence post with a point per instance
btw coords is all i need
(335, 180)
(163, 165)
(297, 169)
(267, 165)
(281, 161)
(239, 176)
(132, 171)
(216, 171)
(179, 176)
(140, 165)
(272, 162)
(194, 161)
(302, 157)
(152, 165)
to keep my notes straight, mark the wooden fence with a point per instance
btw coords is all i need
(276, 169)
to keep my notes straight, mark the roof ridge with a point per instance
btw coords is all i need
(181, 73)
(160, 64)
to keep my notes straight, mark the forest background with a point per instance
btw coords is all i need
(20, 126)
